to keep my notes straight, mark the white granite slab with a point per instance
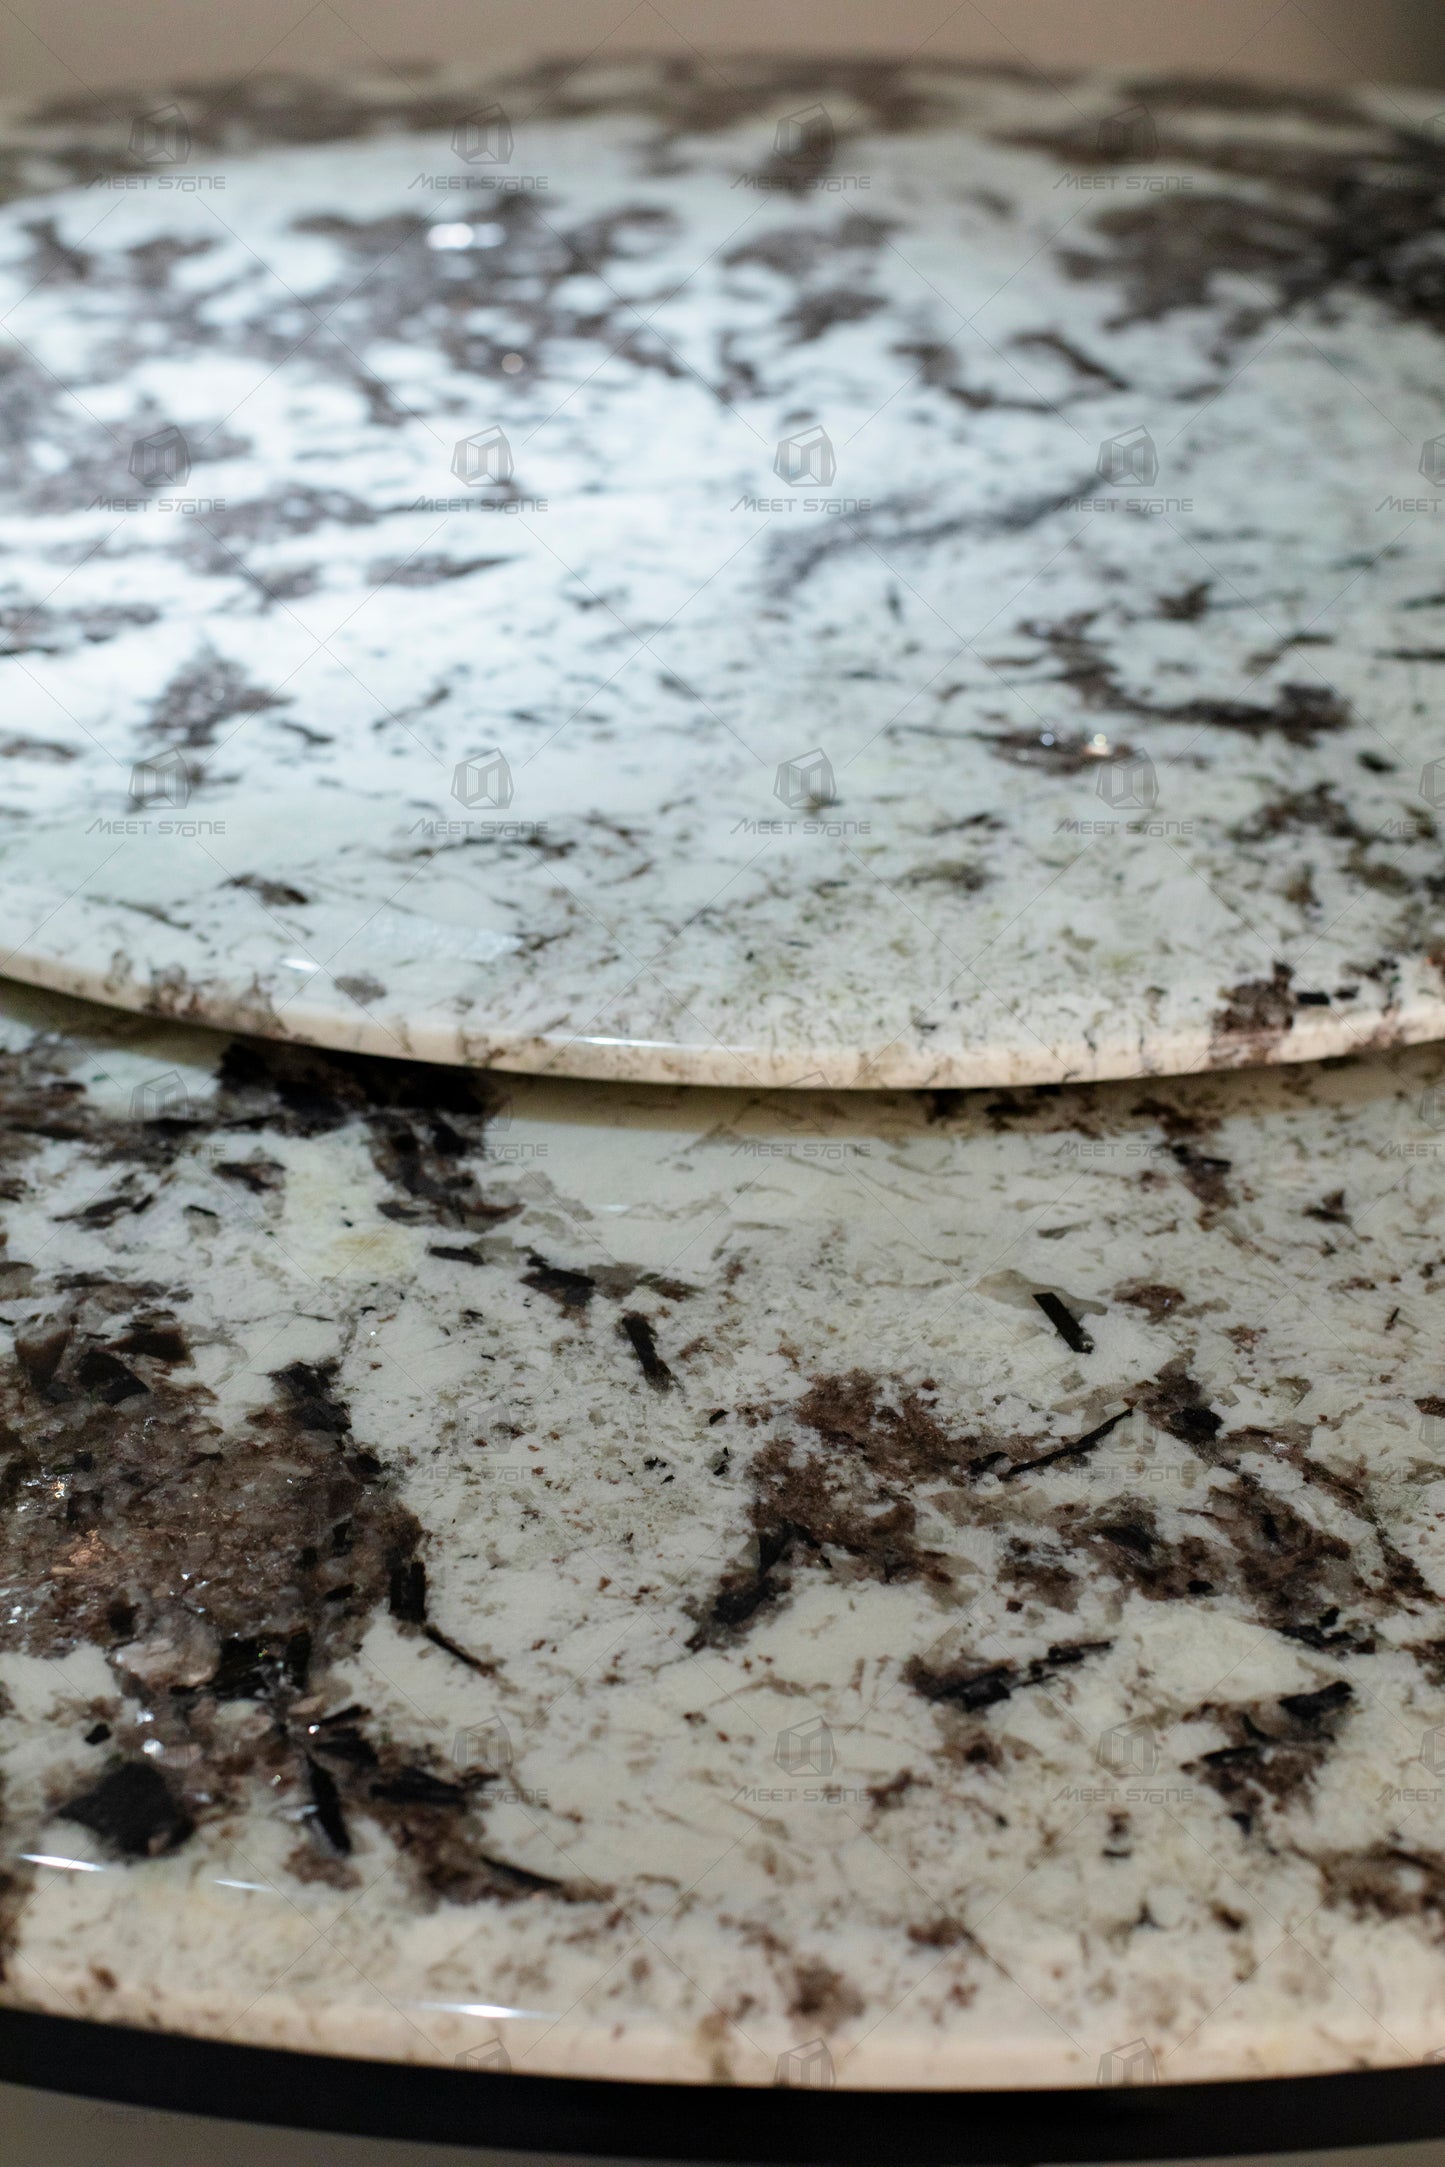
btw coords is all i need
(636, 1582)
(750, 572)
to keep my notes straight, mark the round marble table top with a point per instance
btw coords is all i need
(754, 573)
(639, 1582)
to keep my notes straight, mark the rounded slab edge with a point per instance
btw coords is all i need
(1312, 1035)
(592, 2116)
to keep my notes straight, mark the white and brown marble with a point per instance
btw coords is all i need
(643, 1581)
(239, 350)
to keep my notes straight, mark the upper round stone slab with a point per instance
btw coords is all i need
(788, 572)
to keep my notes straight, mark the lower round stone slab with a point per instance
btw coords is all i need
(848, 1590)
(776, 573)
(175, 2073)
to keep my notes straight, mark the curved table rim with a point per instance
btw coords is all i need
(178, 2073)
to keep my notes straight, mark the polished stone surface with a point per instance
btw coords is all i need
(941, 1590)
(742, 572)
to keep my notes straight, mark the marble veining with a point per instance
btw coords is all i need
(758, 573)
(932, 1590)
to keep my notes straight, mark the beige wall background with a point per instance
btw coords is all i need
(50, 47)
